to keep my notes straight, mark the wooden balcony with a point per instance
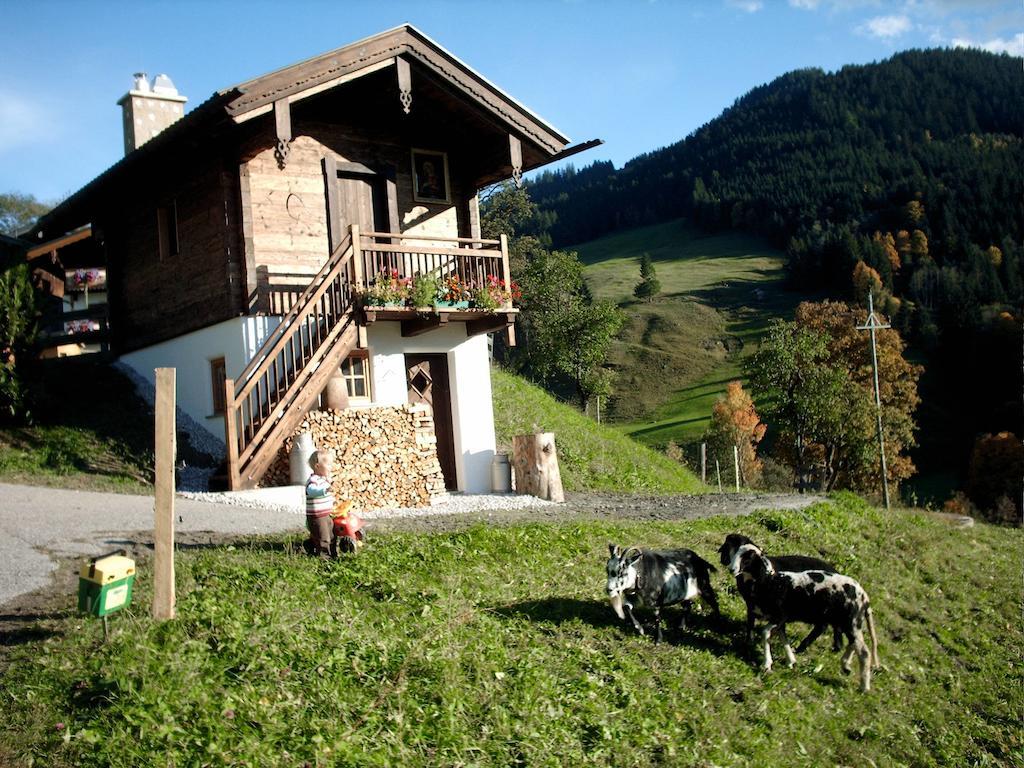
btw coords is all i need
(381, 255)
(387, 256)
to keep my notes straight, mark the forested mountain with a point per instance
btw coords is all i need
(942, 127)
(904, 177)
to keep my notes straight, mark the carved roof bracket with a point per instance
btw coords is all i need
(515, 152)
(404, 83)
(283, 124)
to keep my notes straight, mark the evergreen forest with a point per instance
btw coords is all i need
(904, 178)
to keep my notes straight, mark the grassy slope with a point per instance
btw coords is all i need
(90, 431)
(494, 646)
(590, 456)
(676, 355)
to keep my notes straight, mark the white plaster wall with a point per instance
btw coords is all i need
(470, 382)
(235, 340)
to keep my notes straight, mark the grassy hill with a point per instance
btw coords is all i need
(676, 354)
(495, 646)
(590, 456)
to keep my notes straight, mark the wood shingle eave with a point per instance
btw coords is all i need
(406, 41)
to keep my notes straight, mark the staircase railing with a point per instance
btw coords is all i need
(270, 394)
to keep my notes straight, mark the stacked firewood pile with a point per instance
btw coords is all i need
(384, 457)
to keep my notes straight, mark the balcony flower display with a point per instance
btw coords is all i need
(388, 289)
(453, 291)
(495, 293)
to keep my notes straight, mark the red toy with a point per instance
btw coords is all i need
(349, 534)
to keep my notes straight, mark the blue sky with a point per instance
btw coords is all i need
(639, 75)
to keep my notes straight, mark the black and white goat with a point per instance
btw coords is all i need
(815, 597)
(727, 554)
(657, 578)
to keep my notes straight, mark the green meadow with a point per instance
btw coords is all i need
(676, 354)
(495, 646)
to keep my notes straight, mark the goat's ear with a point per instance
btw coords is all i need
(613, 550)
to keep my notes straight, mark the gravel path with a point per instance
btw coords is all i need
(42, 529)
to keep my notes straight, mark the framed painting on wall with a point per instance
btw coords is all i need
(430, 177)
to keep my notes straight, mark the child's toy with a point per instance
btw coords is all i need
(348, 529)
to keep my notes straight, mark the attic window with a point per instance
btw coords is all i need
(167, 229)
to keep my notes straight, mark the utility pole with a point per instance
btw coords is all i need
(874, 324)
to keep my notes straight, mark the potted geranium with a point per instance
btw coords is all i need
(388, 289)
(454, 292)
(494, 293)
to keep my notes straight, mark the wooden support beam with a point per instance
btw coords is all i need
(163, 527)
(404, 83)
(515, 152)
(490, 323)
(420, 325)
(283, 124)
(334, 233)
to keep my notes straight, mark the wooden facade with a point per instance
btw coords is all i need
(283, 195)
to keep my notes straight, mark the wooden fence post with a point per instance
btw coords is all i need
(163, 524)
(718, 474)
(736, 465)
(704, 463)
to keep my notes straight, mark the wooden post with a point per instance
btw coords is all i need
(736, 465)
(163, 526)
(357, 258)
(510, 331)
(718, 474)
(231, 433)
(536, 464)
(704, 463)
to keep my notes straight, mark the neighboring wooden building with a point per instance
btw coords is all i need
(238, 239)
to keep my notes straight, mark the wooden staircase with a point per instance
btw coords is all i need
(271, 396)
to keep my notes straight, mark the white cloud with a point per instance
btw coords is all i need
(750, 6)
(807, 5)
(1014, 46)
(885, 27)
(22, 121)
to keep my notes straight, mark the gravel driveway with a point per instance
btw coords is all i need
(45, 532)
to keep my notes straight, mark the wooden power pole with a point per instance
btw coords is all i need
(874, 324)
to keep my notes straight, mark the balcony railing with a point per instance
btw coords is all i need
(471, 259)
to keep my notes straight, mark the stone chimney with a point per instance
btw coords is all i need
(149, 108)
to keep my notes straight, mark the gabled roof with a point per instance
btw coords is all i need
(321, 71)
(256, 96)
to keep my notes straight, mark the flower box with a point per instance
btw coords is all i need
(452, 304)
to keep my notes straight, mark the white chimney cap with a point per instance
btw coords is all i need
(141, 82)
(162, 84)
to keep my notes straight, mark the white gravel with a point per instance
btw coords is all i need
(291, 498)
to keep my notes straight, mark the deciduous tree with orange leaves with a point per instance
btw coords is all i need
(816, 372)
(734, 422)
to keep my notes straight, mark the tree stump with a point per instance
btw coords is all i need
(536, 464)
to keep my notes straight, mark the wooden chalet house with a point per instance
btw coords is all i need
(239, 238)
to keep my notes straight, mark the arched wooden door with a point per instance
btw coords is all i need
(427, 378)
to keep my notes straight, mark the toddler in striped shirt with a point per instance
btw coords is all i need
(319, 504)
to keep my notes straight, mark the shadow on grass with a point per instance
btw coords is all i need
(24, 635)
(714, 634)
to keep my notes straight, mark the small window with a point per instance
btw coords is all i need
(167, 229)
(218, 375)
(356, 371)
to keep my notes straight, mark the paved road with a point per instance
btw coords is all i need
(40, 526)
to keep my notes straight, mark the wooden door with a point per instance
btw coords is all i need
(427, 378)
(362, 201)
